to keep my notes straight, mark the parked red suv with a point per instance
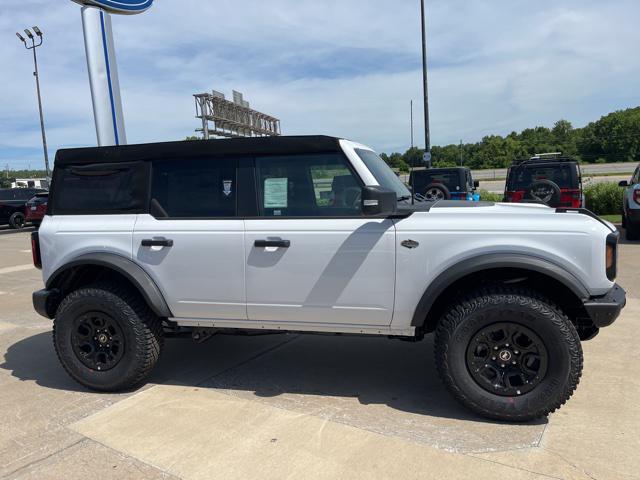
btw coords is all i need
(549, 178)
(36, 208)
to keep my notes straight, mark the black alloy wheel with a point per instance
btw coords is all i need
(97, 340)
(507, 359)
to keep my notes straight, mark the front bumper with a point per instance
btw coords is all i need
(45, 302)
(604, 310)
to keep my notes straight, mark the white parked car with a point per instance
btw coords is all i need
(316, 234)
(631, 206)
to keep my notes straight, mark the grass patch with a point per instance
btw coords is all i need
(490, 196)
(612, 218)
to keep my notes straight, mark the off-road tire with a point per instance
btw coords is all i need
(141, 329)
(464, 318)
(16, 221)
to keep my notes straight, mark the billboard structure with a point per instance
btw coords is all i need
(232, 118)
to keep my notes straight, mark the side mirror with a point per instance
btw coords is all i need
(623, 183)
(378, 201)
(476, 183)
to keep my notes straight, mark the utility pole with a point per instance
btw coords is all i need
(35, 74)
(427, 136)
(460, 152)
(411, 123)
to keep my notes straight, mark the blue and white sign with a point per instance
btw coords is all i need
(101, 63)
(127, 7)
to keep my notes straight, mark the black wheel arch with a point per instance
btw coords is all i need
(555, 281)
(89, 267)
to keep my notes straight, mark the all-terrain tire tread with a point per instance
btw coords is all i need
(147, 328)
(499, 295)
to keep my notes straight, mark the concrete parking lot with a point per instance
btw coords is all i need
(299, 406)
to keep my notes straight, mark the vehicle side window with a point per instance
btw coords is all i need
(195, 188)
(636, 176)
(101, 189)
(307, 186)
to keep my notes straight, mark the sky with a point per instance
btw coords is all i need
(347, 68)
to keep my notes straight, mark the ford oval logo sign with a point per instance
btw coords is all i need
(118, 6)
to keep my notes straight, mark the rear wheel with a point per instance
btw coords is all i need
(16, 220)
(106, 337)
(508, 354)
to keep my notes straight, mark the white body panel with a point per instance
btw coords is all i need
(66, 237)
(202, 274)
(336, 271)
(447, 236)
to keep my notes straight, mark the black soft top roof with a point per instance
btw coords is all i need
(198, 148)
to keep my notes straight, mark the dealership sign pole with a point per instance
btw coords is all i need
(101, 63)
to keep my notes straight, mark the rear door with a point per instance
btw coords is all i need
(192, 243)
(311, 256)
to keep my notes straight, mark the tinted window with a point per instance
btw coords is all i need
(449, 178)
(307, 186)
(563, 175)
(101, 188)
(200, 188)
(384, 175)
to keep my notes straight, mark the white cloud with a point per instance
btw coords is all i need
(335, 67)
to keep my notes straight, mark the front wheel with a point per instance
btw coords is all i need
(508, 354)
(106, 337)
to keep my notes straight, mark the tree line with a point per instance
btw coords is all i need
(613, 138)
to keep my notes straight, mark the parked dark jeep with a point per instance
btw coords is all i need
(454, 183)
(549, 178)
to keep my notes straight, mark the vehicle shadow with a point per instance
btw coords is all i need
(371, 370)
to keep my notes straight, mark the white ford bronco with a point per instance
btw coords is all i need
(316, 234)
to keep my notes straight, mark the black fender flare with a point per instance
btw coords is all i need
(124, 266)
(491, 261)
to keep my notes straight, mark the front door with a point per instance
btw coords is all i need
(192, 244)
(312, 257)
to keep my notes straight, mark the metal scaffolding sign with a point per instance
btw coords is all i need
(232, 118)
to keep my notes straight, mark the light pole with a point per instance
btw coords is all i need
(33, 47)
(427, 136)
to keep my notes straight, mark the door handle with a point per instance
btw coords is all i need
(157, 242)
(272, 243)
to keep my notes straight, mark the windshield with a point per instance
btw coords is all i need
(383, 174)
(522, 177)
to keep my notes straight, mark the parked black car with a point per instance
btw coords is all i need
(455, 183)
(12, 205)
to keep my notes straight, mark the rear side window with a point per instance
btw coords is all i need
(101, 189)
(195, 188)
